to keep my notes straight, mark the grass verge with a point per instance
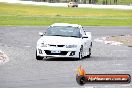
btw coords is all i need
(17, 15)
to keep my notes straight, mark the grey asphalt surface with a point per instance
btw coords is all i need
(24, 71)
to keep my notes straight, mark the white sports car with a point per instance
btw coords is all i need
(64, 40)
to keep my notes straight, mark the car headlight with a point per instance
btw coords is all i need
(43, 45)
(71, 46)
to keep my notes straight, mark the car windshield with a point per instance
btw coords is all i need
(65, 31)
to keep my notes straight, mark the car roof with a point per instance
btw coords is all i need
(66, 24)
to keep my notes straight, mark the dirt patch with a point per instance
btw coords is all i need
(124, 39)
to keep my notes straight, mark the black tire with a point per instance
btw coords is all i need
(89, 53)
(91, 44)
(38, 57)
(90, 50)
(80, 53)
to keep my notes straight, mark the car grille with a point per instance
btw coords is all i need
(48, 52)
(57, 45)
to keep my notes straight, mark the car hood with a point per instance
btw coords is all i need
(58, 40)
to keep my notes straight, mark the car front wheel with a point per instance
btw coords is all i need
(38, 57)
(80, 53)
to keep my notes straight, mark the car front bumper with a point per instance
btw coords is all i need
(59, 52)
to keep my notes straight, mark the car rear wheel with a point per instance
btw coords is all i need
(89, 53)
(38, 57)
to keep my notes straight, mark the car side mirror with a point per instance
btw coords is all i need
(41, 34)
(84, 36)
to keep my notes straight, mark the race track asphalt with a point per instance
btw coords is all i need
(24, 71)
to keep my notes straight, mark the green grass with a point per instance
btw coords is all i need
(17, 14)
(119, 2)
